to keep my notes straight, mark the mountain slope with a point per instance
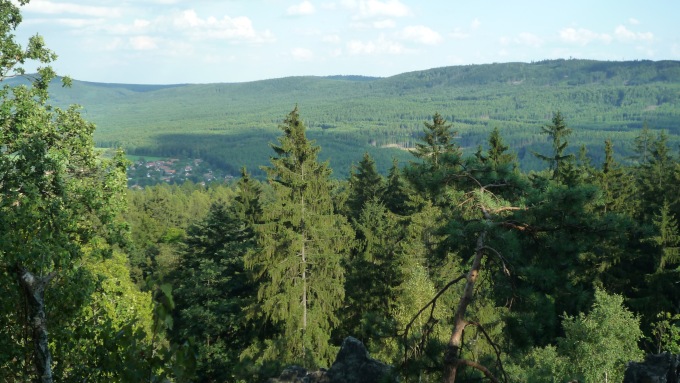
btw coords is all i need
(231, 124)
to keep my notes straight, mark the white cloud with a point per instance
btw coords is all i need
(421, 34)
(459, 34)
(143, 43)
(329, 6)
(583, 36)
(76, 23)
(304, 8)
(475, 23)
(633, 21)
(375, 8)
(112, 45)
(138, 26)
(529, 39)
(624, 34)
(379, 46)
(302, 54)
(333, 39)
(53, 8)
(524, 38)
(384, 24)
(237, 29)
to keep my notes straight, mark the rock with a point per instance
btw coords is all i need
(659, 368)
(297, 374)
(352, 365)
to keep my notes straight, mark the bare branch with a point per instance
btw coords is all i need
(495, 348)
(431, 303)
(481, 368)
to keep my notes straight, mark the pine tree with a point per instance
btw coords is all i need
(302, 246)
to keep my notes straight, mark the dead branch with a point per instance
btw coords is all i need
(481, 368)
(432, 303)
(495, 347)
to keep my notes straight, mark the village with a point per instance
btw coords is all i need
(145, 172)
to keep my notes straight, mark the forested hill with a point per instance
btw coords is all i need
(231, 124)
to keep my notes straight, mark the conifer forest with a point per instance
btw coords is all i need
(452, 263)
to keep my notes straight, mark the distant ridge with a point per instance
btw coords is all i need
(232, 124)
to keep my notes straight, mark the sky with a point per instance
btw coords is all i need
(209, 41)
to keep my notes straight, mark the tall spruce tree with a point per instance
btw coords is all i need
(302, 246)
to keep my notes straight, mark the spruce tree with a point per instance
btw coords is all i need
(440, 156)
(616, 184)
(212, 287)
(302, 246)
(498, 154)
(397, 191)
(558, 162)
(365, 185)
(438, 141)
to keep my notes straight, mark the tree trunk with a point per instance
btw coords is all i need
(34, 291)
(451, 357)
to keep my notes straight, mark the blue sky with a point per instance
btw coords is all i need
(204, 41)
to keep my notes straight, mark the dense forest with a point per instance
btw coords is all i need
(231, 125)
(454, 265)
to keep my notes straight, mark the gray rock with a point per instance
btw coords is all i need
(297, 374)
(659, 368)
(352, 365)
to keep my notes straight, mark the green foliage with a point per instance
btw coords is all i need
(375, 273)
(302, 243)
(364, 186)
(596, 346)
(559, 163)
(90, 343)
(666, 333)
(667, 238)
(441, 159)
(618, 185)
(230, 125)
(250, 277)
(159, 218)
(212, 287)
(600, 343)
(57, 197)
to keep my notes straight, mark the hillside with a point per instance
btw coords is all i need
(231, 124)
